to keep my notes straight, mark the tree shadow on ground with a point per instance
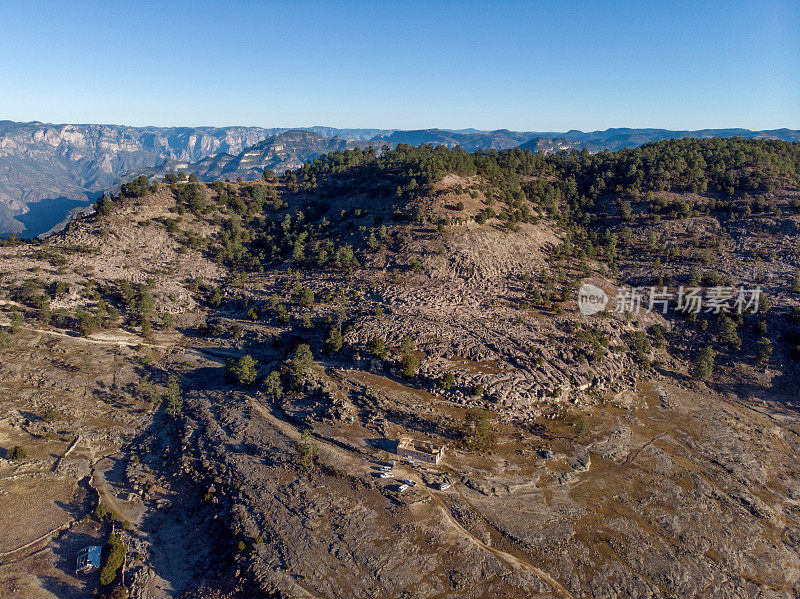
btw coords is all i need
(67, 584)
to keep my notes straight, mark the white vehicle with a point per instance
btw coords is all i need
(444, 486)
(387, 474)
(410, 483)
(385, 468)
(403, 487)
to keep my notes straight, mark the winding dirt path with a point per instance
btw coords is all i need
(101, 486)
(512, 560)
(117, 340)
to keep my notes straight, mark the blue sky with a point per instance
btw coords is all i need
(534, 66)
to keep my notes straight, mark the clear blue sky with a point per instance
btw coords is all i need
(533, 66)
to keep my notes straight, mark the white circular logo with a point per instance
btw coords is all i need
(591, 299)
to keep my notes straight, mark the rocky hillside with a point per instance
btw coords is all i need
(229, 368)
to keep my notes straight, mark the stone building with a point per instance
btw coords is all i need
(421, 451)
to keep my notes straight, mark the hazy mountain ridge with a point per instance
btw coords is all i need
(280, 153)
(41, 161)
(618, 138)
(500, 139)
(291, 148)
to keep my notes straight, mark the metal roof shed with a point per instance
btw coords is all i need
(88, 558)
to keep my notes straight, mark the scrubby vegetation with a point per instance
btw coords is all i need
(17, 453)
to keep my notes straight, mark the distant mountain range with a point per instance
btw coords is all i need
(40, 161)
(280, 153)
(469, 140)
(616, 139)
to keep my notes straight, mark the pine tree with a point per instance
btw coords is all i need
(726, 331)
(243, 370)
(272, 385)
(763, 350)
(301, 363)
(173, 397)
(704, 364)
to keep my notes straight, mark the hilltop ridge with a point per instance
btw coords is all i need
(40, 161)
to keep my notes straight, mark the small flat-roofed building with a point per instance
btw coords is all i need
(421, 451)
(88, 558)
